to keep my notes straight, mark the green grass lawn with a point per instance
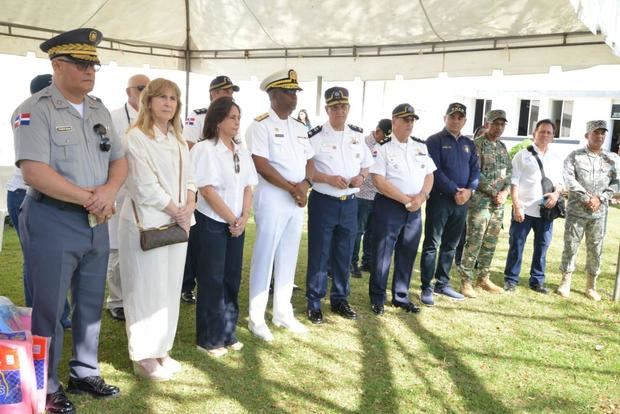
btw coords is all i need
(521, 353)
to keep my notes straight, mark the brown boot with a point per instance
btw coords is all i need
(467, 289)
(564, 288)
(591, 289)
(485, 283)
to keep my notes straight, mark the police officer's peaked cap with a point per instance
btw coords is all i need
(456, 107)
(594, 125)
(336, 95)
(79, 44)
(495, 114)
(39, 82)
(404, 110)
(222, 82)
(282, 79)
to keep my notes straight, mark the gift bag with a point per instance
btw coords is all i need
(17, 378)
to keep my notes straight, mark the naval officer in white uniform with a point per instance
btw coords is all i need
(281, 153)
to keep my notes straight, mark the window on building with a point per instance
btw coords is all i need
(482, 107)
(528, 116)
(562, 115)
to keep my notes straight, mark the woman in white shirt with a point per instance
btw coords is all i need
(224, 174)
(160, 191)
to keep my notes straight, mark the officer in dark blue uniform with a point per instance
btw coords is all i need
(456, 177)
(341, 161)
(74, 163)
(403, 175)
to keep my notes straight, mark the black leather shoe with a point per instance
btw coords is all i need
(408, 307)
(343, 309)
(315, 316)
(57, 402)
(365, 267)
(188, 297)
(510, 287)
(540, 289)
(355, 271)
(94, 386)
(117, 314)
(378, 309)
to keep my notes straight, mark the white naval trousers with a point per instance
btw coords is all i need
(279, 222)
(151, 291)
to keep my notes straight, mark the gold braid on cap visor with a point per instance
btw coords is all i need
(82, 51)
(283, 84)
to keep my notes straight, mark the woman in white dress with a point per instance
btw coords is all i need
(161, 191)
(225, 175)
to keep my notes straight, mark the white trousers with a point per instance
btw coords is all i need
(151, 283)
(278, 232)
(115, 293)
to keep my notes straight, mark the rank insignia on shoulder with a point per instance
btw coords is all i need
(385, 140)
(95, 98)
(200, 111)
(421, 141)
(315, 131)
(356, 128)
(262, 117)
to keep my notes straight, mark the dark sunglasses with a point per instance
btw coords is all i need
(236, 161)
(291, 92)
(104, 143)
(140, 88)
(83, 66)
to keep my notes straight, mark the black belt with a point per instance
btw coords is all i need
(63, 205)
(340, 198)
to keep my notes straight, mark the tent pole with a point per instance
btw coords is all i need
(188, 61)
(319, 91)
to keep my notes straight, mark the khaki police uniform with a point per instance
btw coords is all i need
(61, 250)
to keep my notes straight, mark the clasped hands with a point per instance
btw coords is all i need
(299, 192)
(101, 203)
(414, 202)
(181, 215)
(594, 203)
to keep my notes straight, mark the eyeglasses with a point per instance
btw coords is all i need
(236, 161)
(83, 66)
(140, 88)
(104, 143)
(290, 92)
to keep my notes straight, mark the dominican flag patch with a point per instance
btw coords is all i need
(190, 121)
(21, 119)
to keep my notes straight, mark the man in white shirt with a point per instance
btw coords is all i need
(403, 175)
(282, 156)
(341, 160)
(527, 196)
(122, 118)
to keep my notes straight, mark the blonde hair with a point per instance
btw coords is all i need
(144, 122)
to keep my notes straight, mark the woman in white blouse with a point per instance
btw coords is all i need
(161, 189)
(224, 174)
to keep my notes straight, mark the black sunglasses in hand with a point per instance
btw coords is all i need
(104, 143)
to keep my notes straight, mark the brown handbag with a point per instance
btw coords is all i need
(166, 235)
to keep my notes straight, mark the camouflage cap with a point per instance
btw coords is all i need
(456, 107)
(496, 114)
(594, 125)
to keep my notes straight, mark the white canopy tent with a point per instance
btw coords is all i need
(334, 39)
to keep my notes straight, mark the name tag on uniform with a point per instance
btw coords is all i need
(328, 148)
(446, 147)
(502, 172)
(64, 128)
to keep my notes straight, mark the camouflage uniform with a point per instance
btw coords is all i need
(484, 217)
(587, 174)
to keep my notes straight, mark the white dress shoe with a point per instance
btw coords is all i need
(291, 324)
(150, 369)
(262, 331)
(172, 365)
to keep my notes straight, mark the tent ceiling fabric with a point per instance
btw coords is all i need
(333, 39)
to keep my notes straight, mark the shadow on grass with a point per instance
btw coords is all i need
(476, 397)
(377, 379)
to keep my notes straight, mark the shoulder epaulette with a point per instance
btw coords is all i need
(262, 117)
(200, 111)
(421, 141)
(95, 98)
(385, 140)
(315, 131)
(356, 128)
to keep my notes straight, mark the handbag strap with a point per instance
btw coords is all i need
(133, 205)
(531, 149)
